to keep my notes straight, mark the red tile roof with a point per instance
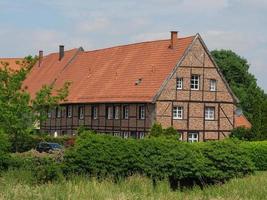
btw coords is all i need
(242, 121)
(13, 63)
(128, 73)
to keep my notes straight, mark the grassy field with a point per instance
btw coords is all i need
(14, 185)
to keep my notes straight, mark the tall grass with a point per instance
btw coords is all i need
(17, 185)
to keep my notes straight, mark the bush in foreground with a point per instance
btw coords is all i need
(182, 163)
(257, 152)
(43, 169)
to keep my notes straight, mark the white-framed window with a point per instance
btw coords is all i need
(177, 112)
(209, 113)
(94, 112)
(49, 114)
(117, 112)
(126, 112)
(213, 85)
(69, 111)
(192, 137)
(58, 112)
(116, 133)
(126, 134)
(110, 112)
(195, 82)
(179, 83)
(81, 112)
(141, 112)
(141, 135)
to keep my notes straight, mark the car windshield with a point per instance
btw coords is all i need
(55, 145)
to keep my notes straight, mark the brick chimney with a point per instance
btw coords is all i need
(61, 52)
(174, 39)
(41, 55)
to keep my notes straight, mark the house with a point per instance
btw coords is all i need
(123, 90)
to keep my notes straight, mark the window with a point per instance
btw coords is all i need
(195, 82)
(69, 111)
(125, 112)
(94, 112)
(117, 112)
(177, 112)
(58, 112)
(49, 113)
(213, 85)
(141, 112)
(81, 112)
(179, 83)
(126, 134)
(116, 133)
(141, 135)
(209, 113)
(110, 112)
(192, 137)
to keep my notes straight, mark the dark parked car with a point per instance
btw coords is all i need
(48, 147)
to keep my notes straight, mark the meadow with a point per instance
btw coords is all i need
(16, 184)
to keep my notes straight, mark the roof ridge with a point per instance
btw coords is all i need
(136, 43)
(10, 58)
(54, 53)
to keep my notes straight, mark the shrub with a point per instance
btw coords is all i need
(224, 160)
(4, 161)
(158, 158)
(257, 152)
(4, 147)
(156, 130)
(4, 142)
(43, 169)
(242, 133)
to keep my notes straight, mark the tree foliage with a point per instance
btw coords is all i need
(157, 131)
(19, 112)
(253, 100)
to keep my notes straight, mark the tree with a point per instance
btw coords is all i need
(18, 112)
(252, 98)
(157, 131)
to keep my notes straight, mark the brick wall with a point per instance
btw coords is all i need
(197, 62)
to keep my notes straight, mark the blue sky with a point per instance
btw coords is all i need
(30, 25)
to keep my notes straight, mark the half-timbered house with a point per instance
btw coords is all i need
(123, 90)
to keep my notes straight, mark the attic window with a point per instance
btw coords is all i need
(138, 82)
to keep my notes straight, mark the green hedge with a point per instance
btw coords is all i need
(108, 156)
(224, 160)
(257, 152)
(29, 142)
